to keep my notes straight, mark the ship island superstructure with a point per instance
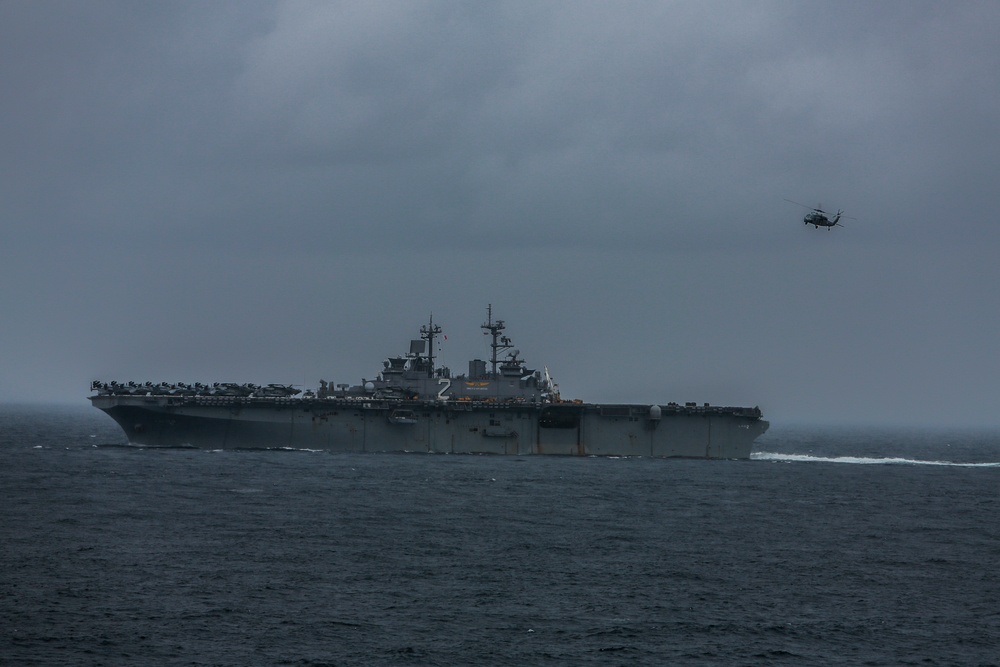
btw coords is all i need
(500, 406)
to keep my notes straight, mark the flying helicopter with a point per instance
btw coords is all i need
(817, 217)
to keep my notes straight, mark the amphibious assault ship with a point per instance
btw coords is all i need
(498, 407)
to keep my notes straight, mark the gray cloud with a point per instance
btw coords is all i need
(283, 191)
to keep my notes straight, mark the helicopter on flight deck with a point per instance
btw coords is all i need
(817, 217)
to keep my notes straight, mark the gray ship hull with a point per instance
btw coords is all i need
(351, 425)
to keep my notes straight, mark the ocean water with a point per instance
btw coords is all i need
(831, 546)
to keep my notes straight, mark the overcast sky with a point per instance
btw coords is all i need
(262, 191)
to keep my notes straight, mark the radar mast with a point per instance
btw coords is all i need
(428, 332)
(493, 329)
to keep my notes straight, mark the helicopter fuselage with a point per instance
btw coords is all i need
(817, 217)
(818, 220)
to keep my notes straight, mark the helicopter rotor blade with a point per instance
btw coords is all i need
(797, 204)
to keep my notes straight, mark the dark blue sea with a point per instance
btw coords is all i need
(830, 546)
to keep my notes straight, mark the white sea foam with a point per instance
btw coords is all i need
(862, 460)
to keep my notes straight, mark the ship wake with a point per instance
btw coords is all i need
(864, 460)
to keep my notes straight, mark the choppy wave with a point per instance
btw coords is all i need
(863, 460)
(311, 543)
